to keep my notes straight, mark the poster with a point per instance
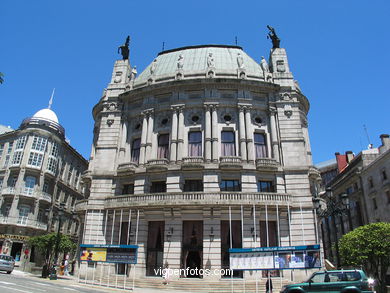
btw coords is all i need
(93, 254)
(109, 253)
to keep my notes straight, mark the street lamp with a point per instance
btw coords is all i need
(333, 208)
(60, 215)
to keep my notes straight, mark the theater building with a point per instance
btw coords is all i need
(205, 150)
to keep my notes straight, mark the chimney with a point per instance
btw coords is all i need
(385, 143)
(350, 156)
(341, 162)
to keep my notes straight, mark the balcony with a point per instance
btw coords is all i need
(266, 164)
(44, 196)
(192, 163)
(8, 191)
(194, 198)
(157, 165)
(126, 168)
(23, 222)
(231, 162)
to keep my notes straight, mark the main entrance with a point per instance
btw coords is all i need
(155, 248)
(192, 249)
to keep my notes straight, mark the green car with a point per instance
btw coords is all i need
(344, 281)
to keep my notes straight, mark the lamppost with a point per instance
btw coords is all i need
(60, 215)
(333, 208)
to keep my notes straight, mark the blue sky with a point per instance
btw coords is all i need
(338, 51)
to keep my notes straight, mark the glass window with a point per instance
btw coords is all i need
(24, 210)
(70, 172)
(17, 158)
(230, 185)
(260, 145)
(265, 186)
(54, 149)
(52, 164)
(135, 150)
(1, 182)
(6, 210)
(45, 187)
(39, 143)
(10, 145)
(384, 175)
(163, 146)
(128, 189)
(158, 186)
(29, 185)
(370, 182)
(195, 144)
(1, 149)
(193, 185)
(35, 159)
(318, 278)
(20, 143)
(13, 180)
(228, 143)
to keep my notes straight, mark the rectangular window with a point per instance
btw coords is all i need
(17, 158)
(1, 149)
(76, 178)
(52, 165)
(193, 185)
(374, 203)
(158, 186)
(370, 182)
(228, 143)
(70, 172)
(20, 143)
(1, 182)
(10, 145)
(128, 189)
(230, 185)
(29, 185)
(35, 159)
(24, 210)
(195, 144)
(13, 180)
(45, 187)
(54, 150)
(39, 143)
(260, 145)
(135, 150)
(163, 146)
(265, 186)
(388, 196)
(384, 175)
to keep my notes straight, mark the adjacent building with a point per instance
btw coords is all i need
(39, 173)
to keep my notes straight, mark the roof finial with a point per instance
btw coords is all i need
(51, 99)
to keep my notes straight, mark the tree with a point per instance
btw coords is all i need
(46, 244)
(368, 247)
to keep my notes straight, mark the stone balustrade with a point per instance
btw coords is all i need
(192, 163)
(266, 163)
(26, 222)
(44, 196)
(157, 164)
(193, 198)
(27, 192)
(230, 162)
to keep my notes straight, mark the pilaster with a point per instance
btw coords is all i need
(143, 137)
(243, 134)
(249, 135)
(214, 133)
(180, 138)
(207, 133)
(173, 150)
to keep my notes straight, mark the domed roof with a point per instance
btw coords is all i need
(46, 114)
(198, 61)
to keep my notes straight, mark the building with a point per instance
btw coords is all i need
(363, 179)
(38, 171)
(203, 139)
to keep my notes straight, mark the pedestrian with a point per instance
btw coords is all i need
(268, 285)
(66, 267)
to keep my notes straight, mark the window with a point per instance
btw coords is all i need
(76, 178)
(21, 142)
(230, 185)
(163, 146)
(128, 189)
(45, 187)
(158, 186)
(265, 186)
(1, 149)
(17, 158)
(195, 144)
(228, 143)
(384, 175)
(193, 185)
(370, 182)
(54, 150)
(135, 150)
(6, 210)
(24, 210)
(9, 150)
(35, 159)
(260, 145)
(52, 162)
(39, 143)
(29, 185)
(70, 172)
(13, 180)
(374, 203)
(388, 196)
(1, 182)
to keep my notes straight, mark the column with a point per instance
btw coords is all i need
(36, 211)
(249, 135)
(13, 213)
(180, 139)
(207, 138)
(214, 133)
(173, 135)
(143, 137)
(242, 133)
(149, 137)
(274, 137)
(122, 149)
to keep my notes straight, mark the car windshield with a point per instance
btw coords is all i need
(6, 257)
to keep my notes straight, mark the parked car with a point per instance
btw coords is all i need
(7, 263)
(344, 281)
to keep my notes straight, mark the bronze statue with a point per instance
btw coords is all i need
(124, 49)
(274, 38)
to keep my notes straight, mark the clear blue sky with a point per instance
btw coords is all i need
(338, 51)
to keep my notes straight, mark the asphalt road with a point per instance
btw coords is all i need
(20, 283)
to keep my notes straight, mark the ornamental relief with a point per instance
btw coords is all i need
(194, 117)
(259, 118)
(227, 116)
(163, 120)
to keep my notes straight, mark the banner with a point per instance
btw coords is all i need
(109, 253)
(270, 258)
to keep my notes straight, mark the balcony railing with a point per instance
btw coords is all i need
(194, 198)
(266, 163)
(193, 162)
(231, 162)
(23, 222)
(126, 168)
(157, 164)
(45, 196)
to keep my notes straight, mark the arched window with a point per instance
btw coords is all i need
(260, 145)
(228, 143)
(195, 144)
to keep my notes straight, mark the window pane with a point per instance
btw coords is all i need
(260, 145)
(163, 146)
(230, 185)
(195, 144)
(135, 150)
(228, 143)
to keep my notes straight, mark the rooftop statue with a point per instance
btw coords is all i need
(264, 64)
(124, 49)
(274, 38)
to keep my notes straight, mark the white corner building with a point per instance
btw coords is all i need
(205, 140)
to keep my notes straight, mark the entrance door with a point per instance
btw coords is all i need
(192, 249)
(225, 245)
(16, 250)
(155, 248)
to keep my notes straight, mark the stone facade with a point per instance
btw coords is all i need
(202, 136)
(38, 171)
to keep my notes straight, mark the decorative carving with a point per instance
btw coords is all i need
(110, 122)
(133, 74)
(285, 96)
(280, 67)
(210, 60)
(264, 65)
(274, 38)
(288, 110)
(210, 74)
(240, 61)
(180, 62)
(124, 49)
(118, 77)
(242, 75)
(153, 67)
(112, 107)
(179, 76)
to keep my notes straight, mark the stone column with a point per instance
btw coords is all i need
(249, 135)
(207, 138)
(214, 133)
(13, 213)
(143, 137)
(149, 137)
(274, 136)
(172, 153)
(242, 133)
(180, 138)
(36, 211)
(122, 149)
